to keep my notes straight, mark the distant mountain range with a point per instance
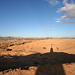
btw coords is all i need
(11, 37)
(6, 37)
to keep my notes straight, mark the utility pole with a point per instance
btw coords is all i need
(51, 49)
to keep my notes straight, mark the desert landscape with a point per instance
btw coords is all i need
(37, 37)
(37, 56)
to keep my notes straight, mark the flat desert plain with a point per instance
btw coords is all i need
(37, 57)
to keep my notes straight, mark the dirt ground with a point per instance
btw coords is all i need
(39, 57)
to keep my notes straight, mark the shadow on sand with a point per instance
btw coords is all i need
(47, 63)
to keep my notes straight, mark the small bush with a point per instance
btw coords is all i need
(11, 44)
(9, 49)
(44, 47)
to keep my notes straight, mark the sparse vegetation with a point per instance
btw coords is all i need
(33, 57)
(5, 43)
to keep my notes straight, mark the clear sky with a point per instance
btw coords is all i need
(37, 18)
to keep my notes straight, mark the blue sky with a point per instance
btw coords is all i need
(37, 18)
